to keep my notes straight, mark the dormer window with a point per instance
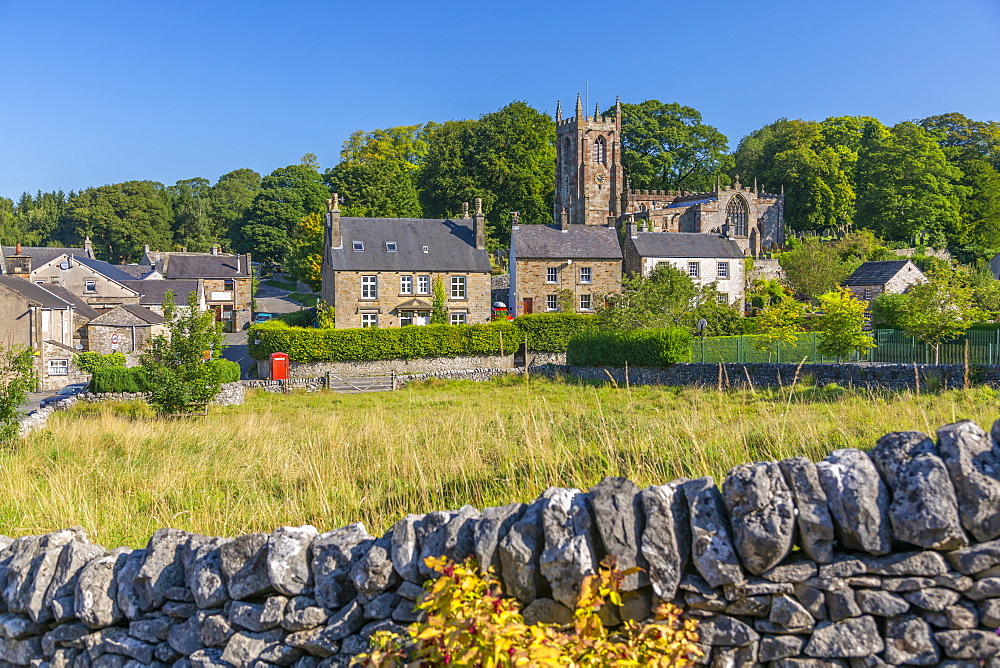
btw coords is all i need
(390, 246)
(426, 249)
(358, 245)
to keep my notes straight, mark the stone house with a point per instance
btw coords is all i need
(226, 281)
(125, 329)
(590, 189)
(707, 258)
(99, 284)
(36, 256)
(36, 318)
(83, 313)
(873, 278)
(550, 262)
(152, 293)
(381, 272)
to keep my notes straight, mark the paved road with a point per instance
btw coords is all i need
(269, 300)
(33, 398)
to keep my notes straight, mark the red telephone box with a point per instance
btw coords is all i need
(279, 366)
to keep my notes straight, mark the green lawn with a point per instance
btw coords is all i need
(329, 460)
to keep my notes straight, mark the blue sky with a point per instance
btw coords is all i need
(107, 91)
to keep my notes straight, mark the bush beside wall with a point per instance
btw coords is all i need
(644, 347)
(551, 332)
(133, 380)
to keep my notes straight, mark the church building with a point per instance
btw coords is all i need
(591, 190)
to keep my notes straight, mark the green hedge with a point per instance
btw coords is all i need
(377, 343)
(89, 361)
(551, 332)
(133, 379)
(119, 379)
(641, 347)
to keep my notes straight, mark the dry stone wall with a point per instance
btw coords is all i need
(885, 558)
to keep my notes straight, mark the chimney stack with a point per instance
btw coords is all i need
(465, 210)
(215, 250)
(479, 224)
(19, 265)
(564, 220)
(88, 246)
(332, 228)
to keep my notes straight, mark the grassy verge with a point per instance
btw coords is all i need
(306, 299)
(328, 460)
(279, 284)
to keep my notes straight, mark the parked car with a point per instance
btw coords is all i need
(262, 317)
(64, 393)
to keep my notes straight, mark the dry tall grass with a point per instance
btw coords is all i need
(328, 460)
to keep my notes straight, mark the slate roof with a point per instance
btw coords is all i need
(34, 293)
(135, 270)
(450, 246)
(203, 265)
(577, 241)
(684, 244)
(104, 268)
(39, 254)
(81, 307)
(151, 292)
(141, 313)
(876, 273)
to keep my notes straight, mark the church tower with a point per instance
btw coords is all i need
(589, 179)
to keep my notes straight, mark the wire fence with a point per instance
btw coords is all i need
(892, 347)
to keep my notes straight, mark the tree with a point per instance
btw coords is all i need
(888, 309)
(815, 267)
(17, 378)
(193, 226)
(668, 147)
(964, 139)
(439, 303)
(120, 219)
(778, 323)
(981, 209)
(178, 363)
(842, 323)
(940, 309)
(230, 200)
(906, 188)
(305, 259)
(286, 195)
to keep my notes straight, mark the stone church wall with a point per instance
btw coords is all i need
(889, 557)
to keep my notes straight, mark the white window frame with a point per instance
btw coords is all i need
(552, 274)
(390, 247)
(423, 285)
(369, 287)
(586, 303)
(358, 245)
(551, 302)
(406, 285)
(723, 298)
(405, 318)
(458, 287)
(369, 319)
(694, 269)
(868, 294)
(722, 270)
(586, 275)
(59, 367)
(90, 287)
(457, 318)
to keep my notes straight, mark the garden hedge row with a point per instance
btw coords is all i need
(546, 332)
(133, 379)
(644, 347)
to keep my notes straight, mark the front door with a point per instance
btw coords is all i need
(527, 305)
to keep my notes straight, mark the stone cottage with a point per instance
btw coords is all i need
(99, 284)
(381, 272)
(551, 264)
(125, 329)
(706, 258)
(22, 260)
(873, 278)
(38, 319)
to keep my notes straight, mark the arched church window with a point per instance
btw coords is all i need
(737, 215)
(600, 151)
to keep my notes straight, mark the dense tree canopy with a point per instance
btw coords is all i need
(120, 218)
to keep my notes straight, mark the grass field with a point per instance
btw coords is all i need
(328, 459)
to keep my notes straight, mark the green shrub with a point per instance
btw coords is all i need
(640, 347)
(228, 372)
(88, 362)
(551, 332)
(376, 343)
(120, 379)
(303, 318)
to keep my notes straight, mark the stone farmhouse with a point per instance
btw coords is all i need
(873, 278)
(582, 262)
(381, 272)
(707, 258)
(45, 322)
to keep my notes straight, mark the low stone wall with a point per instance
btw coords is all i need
(886, 558)
(306, 384)
(385, 367)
